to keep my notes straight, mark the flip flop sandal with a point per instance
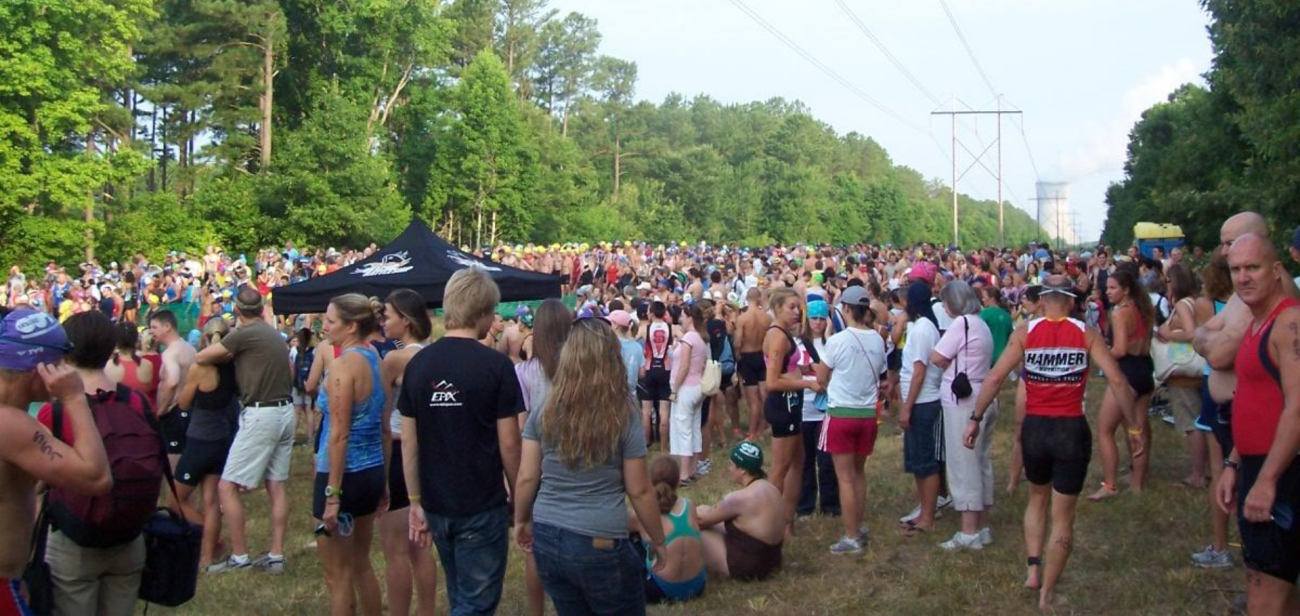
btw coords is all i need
(911, 530)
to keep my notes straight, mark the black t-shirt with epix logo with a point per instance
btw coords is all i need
(456, 389)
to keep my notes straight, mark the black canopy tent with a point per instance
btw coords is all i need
(418, 260)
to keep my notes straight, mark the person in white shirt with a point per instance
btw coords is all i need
(921, 416)
(852, 367)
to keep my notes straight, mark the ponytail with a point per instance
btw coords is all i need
(664, 476)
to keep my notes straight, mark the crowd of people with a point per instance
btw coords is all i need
(546, 422)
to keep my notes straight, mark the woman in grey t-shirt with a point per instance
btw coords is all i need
(582, 454)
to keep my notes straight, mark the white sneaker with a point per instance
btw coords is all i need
(1211, 558)
(943, 502)
(231, 564)
(962, 541)
(705, 466)
(847, 545)
(916, 513)
(986, 536)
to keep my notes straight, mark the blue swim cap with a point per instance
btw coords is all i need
(818, 310)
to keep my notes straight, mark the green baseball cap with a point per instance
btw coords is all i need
(747, 456)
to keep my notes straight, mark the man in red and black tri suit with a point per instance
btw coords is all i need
(1262, 476)
(1054, 437)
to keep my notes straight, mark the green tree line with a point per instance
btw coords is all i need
(147, 125)
(1209, 152)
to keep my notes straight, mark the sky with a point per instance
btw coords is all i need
(1082, 72)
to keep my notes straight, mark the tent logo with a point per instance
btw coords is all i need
(389, 264)
(468, 261)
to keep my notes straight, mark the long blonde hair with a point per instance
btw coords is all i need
(590, 405)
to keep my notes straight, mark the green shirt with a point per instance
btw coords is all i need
(999, 322)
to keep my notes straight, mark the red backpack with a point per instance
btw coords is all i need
(136, 457)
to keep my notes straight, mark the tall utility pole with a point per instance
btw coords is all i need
(1002, 232)
(956, 242)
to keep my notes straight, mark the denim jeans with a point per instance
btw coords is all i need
(582, 579)
(473, 551)
(819, 485)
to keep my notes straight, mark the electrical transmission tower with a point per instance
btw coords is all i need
(1002, 232)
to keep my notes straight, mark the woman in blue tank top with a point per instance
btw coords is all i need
(1216, 289)
(350, 481)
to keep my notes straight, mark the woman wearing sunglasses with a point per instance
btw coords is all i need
(350, 481)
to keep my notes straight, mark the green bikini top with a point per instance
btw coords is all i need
(681, 527)
(681, 524)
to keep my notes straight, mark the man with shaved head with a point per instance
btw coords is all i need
(1262, 476)
(1218, 339)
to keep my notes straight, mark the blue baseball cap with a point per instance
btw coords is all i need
(29, 338)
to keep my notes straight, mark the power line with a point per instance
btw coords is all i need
(906, 73)
(969, 52)
(1028, 150)
(793, 46)
(884, 50)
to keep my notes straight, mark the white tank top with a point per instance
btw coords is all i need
(395, 422)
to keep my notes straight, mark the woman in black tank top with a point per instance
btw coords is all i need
(783, 407)
(214, 417)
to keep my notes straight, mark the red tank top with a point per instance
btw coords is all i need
(152, 391)
(1257, 406)
(131, 376)
(1056, 368)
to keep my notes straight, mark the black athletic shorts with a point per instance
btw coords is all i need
(752, 369)
(398, 498)
(655, 387)
(894, 361)
(1056, 451)
(174, 426)
(362, 491)
(784, 410)
(201, 459)
(1140, 371)
(1271, 547)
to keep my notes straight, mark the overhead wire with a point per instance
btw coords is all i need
(966, 44)
(885, 50)
(828, 71)
(970, 53)
(879, 44)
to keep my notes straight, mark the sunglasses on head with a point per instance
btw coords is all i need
(592, 317)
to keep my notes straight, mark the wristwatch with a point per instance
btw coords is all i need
(976, 419)
(331, 491)
(1228, 463)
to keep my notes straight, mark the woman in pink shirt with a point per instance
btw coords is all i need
(687, 398)
(966, 349)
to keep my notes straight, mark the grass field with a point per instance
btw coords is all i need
(1131, 554)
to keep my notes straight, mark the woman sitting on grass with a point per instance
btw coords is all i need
(682, 575)
(752, 519)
